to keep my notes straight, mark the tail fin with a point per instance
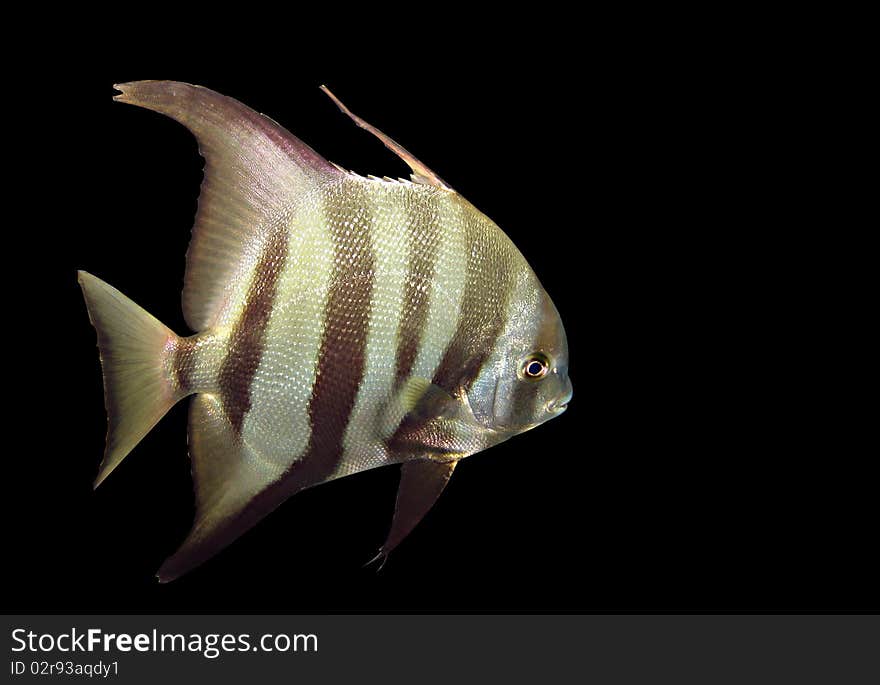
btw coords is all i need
(135, 350)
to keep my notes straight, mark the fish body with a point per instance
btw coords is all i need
(342, 323)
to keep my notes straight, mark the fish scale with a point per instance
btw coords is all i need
(343, 323)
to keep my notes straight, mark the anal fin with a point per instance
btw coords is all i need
(235, 487)
(421, 482)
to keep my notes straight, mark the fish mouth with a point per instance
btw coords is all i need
(560, 405)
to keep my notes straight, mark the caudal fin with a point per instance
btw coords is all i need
(135, 349)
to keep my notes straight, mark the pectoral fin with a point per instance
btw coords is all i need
(421, 482)
(418, 399)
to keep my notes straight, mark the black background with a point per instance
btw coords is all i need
(706, 462)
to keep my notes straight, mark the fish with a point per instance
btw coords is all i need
(340, 323)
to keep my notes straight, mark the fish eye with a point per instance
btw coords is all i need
(535, 366)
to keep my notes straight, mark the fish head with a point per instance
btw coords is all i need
(525, 381)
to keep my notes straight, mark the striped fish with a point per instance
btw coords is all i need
(343, 323)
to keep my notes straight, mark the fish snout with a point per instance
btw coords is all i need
(560, 404)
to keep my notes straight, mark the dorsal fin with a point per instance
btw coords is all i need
(254, 170)
(420, 173)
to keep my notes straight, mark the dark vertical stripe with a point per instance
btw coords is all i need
(183, 366)
(247, 340)
(343, 354)
(488, 288)
(422, 244)
(340, 366)
(343, 351)
(487, 291)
